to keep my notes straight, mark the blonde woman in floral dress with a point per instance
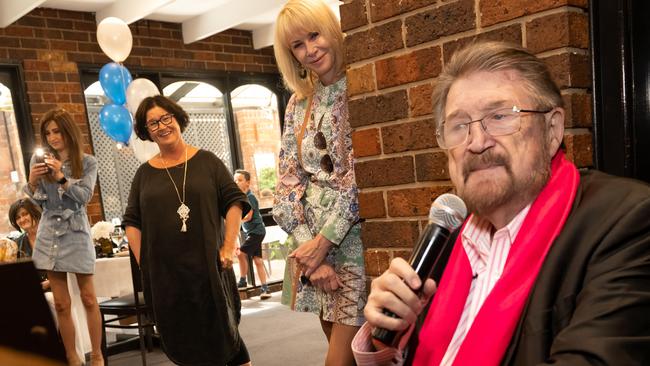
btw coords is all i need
(316, 198)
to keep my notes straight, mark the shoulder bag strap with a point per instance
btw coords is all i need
(302, 129)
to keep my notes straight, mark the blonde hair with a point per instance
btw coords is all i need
(498, 56)
(305, 16)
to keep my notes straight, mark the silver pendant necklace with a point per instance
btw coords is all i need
(183, 211)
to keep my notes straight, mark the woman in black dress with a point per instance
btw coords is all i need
(175, 226)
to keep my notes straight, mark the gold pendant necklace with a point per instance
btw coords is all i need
(183, 211)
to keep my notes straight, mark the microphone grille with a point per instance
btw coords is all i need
(448, 211)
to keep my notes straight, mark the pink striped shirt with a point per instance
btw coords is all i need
(487, 256)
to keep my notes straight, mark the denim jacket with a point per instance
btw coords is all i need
(63, 241)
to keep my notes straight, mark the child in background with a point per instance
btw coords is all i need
(254, 230)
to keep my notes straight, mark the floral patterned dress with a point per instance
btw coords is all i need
(310, 200)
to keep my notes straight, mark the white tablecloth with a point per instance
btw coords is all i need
(112, 279)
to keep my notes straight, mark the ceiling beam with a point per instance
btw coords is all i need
(225, 16)
(130, 11)
(12, 10)
(335, 6)
(264, 36)
(184, 89)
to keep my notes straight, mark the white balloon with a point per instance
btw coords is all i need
(114, 38)
(137, 90)
(143, 150)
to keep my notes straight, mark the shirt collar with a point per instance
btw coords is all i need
(477, 234)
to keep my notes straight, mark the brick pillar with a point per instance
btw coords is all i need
(395, 50)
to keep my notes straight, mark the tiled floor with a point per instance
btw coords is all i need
(274, 336)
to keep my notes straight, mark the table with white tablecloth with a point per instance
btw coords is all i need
(112, 279)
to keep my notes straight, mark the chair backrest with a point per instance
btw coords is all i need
(26, 323)
(136, 276)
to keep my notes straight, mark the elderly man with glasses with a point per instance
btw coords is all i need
(553, 264)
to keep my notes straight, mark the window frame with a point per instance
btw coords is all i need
(12, 76)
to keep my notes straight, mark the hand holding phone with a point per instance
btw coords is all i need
(40, 156)
(39, 169)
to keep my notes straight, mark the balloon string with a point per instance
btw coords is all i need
(122, 71)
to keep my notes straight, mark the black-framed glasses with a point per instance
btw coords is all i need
(154, 124)
(326, 163)
(500, 122)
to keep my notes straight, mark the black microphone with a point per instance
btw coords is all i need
(431, 252)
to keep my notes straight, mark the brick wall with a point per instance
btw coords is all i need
(395, 50)
(50, 43)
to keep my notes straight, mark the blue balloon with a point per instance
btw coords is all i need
(116, 121)
(114, 79)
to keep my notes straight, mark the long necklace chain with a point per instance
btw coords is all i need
(183, 211)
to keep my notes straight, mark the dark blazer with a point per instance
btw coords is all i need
(590, 304)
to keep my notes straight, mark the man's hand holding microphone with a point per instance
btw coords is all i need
(400, 294)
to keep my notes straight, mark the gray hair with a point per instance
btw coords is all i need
(492, 57)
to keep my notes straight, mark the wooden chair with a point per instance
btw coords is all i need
(124, 307)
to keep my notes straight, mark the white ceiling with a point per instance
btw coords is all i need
(199, 18)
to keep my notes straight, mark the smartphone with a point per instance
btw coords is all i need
(40, 155)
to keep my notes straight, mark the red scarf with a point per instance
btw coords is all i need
(491, 332)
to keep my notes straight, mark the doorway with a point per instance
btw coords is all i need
(620, 33)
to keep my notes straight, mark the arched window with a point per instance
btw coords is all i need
(257, 121)
(208, 127)
(255, 109)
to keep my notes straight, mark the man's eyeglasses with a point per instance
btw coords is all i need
(154, 124)
(320, 143)
(501, 122)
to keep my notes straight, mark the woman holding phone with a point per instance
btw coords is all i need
(63, 183)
